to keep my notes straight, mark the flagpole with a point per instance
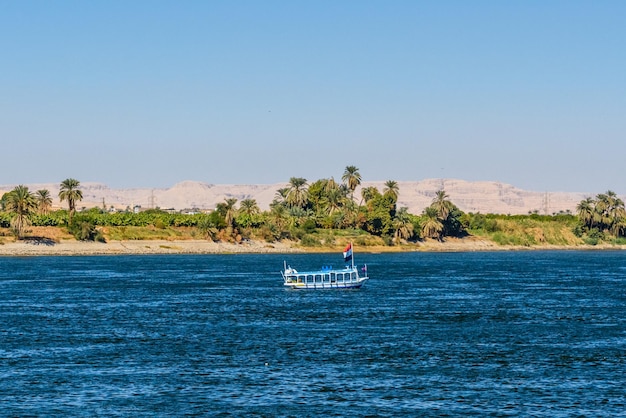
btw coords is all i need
(352, 249)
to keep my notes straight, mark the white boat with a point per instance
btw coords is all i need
(327, 277)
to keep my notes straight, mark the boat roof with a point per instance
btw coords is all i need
(323, 271)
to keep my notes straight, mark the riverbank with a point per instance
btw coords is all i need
(72, 247)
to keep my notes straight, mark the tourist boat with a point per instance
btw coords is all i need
(327, 277)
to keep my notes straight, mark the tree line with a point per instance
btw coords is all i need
(603, 216)
(23, 205)
(296, 211)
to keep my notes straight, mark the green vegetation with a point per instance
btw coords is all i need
(21, 204)
(524, 230)
(70, 191)
(602, 218)
(320, 214)
(83, 230)
(44, 201)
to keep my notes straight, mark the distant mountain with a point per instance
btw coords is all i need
(477, 196)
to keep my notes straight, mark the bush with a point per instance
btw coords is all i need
(595, 233)
(523, 240)
(361, 241)
(486, 223)
(578, 230)
(328, 238)
(298, 233)
(591, 241)
(5, 220)
(85, 231)
(310, 241)
(309, 226)
(268, 233)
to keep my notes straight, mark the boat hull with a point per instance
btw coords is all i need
(348, 278)
(355, 285)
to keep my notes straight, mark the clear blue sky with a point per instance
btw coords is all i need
(150, 93)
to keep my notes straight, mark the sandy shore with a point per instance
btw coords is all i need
(67, 247)
(72, 247)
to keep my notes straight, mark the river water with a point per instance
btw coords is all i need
(430, 334)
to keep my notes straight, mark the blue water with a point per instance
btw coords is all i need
(485, 334)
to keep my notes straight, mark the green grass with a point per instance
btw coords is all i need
(518, 230)
(339, 237)
(128, 233)
(526, 231)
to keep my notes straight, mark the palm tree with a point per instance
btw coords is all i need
(601, 213)
(352, 178)
(298, 193)
(22, 202)
(297, 216)
(229, 211)
(339, 219)
(352, 212)
(612, 196)
(278, 216)
(616, 213)
(281, 195)
(248, 213)
(70, 191)
(3, 201)
(208, 228)
(402, 225)
(330, 185)
(44, 201)
(442, 204)
(368, 193)
(432, 226)
(333, 200)
(249, 207)
(619, 226)
(606, 212)
(585, 211)
(391, 189)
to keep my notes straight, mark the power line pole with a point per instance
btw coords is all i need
(546, 203)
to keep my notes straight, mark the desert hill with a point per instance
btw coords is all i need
(477, 196)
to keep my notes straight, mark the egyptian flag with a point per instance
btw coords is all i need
(347, 253)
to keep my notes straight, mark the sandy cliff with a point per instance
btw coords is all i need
(483, 196)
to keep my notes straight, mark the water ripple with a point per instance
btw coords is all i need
(530, 333)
